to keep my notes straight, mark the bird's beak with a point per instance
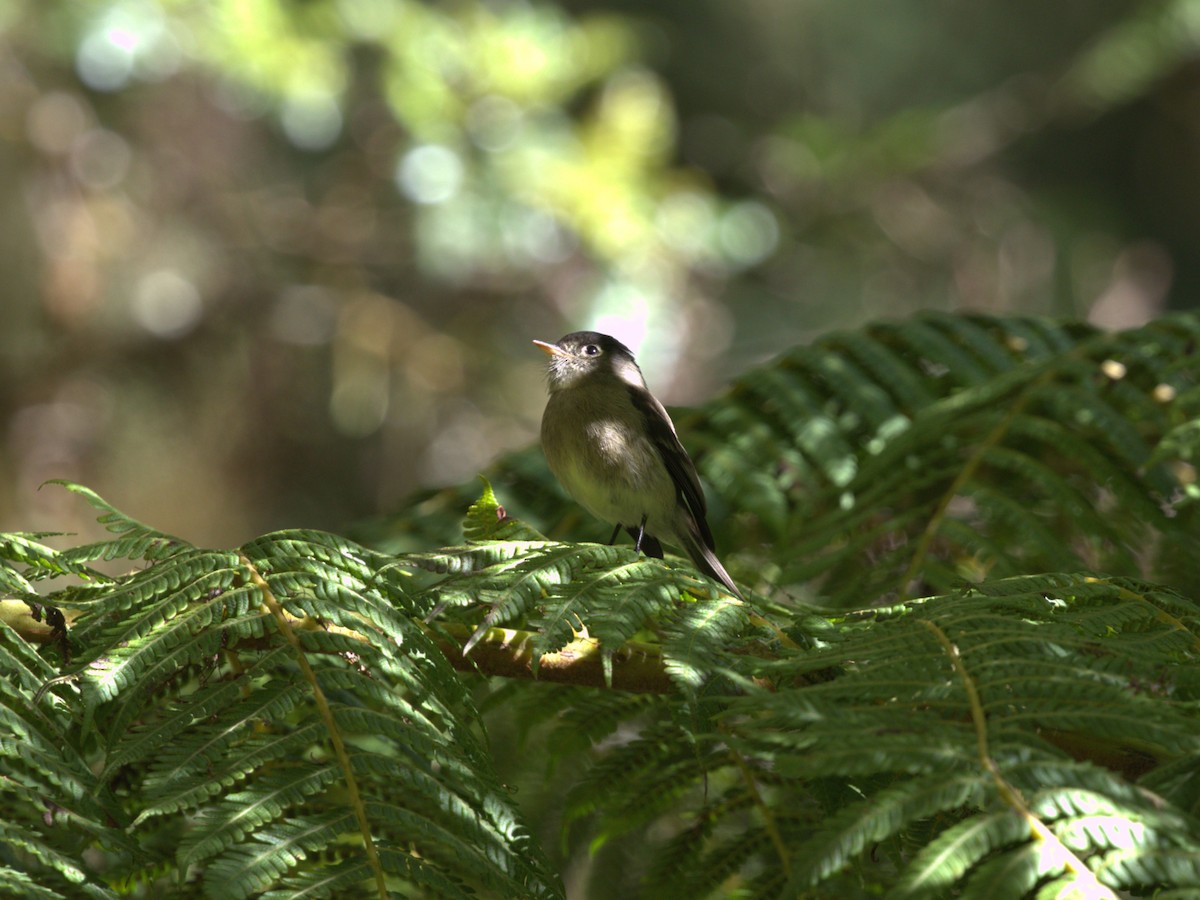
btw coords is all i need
(550, 349)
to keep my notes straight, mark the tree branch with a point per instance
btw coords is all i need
(509, 653)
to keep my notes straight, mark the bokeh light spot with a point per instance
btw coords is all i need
(128, 39)
(166, 304)
(105, 60)
(312, 120)
(430, 174)
(685, 222)
(358, 404)
(100, 159)
(369, 20)
(748, 233)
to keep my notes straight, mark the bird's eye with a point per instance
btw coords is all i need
(591, 350)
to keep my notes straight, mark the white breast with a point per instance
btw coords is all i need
(593, 441)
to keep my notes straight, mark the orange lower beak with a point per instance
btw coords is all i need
(550, 349)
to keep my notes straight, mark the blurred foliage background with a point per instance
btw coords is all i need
(276, 263)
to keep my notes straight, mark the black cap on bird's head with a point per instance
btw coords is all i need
(582, 354)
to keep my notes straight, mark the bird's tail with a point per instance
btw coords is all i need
(706, 560)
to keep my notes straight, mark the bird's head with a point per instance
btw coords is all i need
(586, 355)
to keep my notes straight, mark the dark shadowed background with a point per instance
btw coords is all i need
(273, 263)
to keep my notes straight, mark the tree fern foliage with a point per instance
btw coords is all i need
(902, 458)
(271, 719)
(967, 668)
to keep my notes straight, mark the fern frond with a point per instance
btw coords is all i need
(853, 830)
(134, 540)
(974, 407)
(287, 717)
(58, 876)
(876, 725)
(569, 590)
(1147, 868)
(612, 601)
(41, 562)
(640, 780)
(487, 520)
(202, 678)
(942, 863)
(1012, 874)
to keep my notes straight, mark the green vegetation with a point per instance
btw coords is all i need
(969, 665)
(271, 270)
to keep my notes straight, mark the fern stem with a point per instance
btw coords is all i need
(965, 474)
(1059, 852)
(769, 824)
(322, 703)
(1159, 613)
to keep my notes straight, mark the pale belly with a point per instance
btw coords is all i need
(614, 474)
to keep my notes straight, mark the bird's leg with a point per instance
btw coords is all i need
(612, 540)
(643, 542)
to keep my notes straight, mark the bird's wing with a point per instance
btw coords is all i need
(662, 433)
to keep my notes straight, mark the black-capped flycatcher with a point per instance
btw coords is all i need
(611, 444)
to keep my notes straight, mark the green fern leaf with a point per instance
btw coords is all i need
(1011, 875)
(856, 828)
(942, 863)
(136, 541)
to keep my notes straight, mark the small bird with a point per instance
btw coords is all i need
(611, 444)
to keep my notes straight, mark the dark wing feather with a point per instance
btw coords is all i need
(679, 465)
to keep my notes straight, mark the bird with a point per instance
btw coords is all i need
(612, 446)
